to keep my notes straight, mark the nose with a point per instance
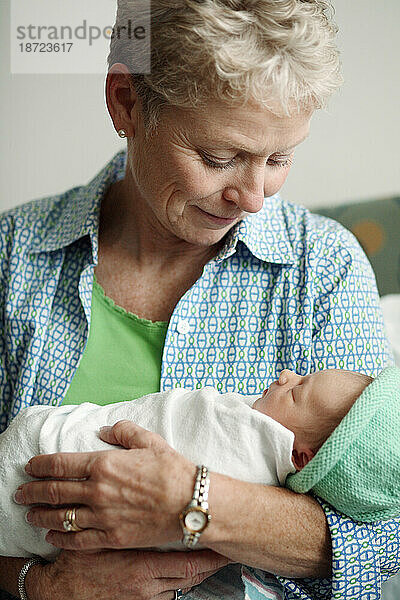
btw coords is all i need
(248, 194)
(290, 377)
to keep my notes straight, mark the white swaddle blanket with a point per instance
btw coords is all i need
(221, 431)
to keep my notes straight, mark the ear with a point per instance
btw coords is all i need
(121, 98)
(301, 457)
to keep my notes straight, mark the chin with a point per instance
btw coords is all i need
(205, 237)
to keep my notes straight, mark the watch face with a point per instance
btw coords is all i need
(195, 520)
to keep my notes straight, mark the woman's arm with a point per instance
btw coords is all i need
(269, 528)
(123, 575)
(284, 533)
(9, 572)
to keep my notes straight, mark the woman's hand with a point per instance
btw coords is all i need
(128, 498)
(121, 575)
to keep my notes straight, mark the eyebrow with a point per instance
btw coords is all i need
(296, 144)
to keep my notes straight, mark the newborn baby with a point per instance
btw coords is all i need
(265, 441)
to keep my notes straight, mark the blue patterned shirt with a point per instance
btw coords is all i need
(288, 290)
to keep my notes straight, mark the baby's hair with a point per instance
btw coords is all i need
(329, 420)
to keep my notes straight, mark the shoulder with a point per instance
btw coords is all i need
(304, 225)
(317, 250)
(286, 233)
(55, 222)
(29, 223)
(319, 239)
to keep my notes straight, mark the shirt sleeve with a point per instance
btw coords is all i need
(363, 556)
(348, 329)
(348, 333)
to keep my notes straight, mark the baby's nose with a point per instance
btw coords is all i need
(286, 376)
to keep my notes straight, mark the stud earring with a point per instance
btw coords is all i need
(122, 133)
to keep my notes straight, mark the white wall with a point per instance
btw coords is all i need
(56, 132)
(353, 152)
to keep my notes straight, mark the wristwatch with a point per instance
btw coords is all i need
(195, 516)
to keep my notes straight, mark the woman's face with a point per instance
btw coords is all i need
(202, 171)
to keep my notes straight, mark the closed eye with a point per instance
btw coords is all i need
(297, 392)
(213, 163)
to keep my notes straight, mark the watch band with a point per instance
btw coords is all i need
(200, 498)
(22, 574)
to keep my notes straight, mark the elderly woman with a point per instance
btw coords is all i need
(179, 265)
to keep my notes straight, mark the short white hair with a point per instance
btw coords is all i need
(280, 53)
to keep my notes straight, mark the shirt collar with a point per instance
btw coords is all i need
(265, 234)
(72, 217)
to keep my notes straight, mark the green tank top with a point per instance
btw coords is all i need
(122, 357)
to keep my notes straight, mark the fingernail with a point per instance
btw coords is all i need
(18, 497)
(28, 517)
(105, 429)
(28, 468)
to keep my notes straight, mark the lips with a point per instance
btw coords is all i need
(227, 220)
(222, 217)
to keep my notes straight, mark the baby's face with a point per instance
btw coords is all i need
(303, 403)
(294, 400)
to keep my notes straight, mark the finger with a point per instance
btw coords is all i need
(62, 465)
(174, 583)
(186, 584)
(189, 564)
(88, 539)
(53, 518)
(131, 436)
(53, 492)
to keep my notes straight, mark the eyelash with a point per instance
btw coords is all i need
(230, 165)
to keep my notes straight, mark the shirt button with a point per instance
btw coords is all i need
(183, 327)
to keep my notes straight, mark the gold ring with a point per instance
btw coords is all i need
(69, 522)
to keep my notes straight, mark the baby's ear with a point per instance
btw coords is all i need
(301, 457)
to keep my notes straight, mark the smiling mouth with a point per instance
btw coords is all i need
(227, 220)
